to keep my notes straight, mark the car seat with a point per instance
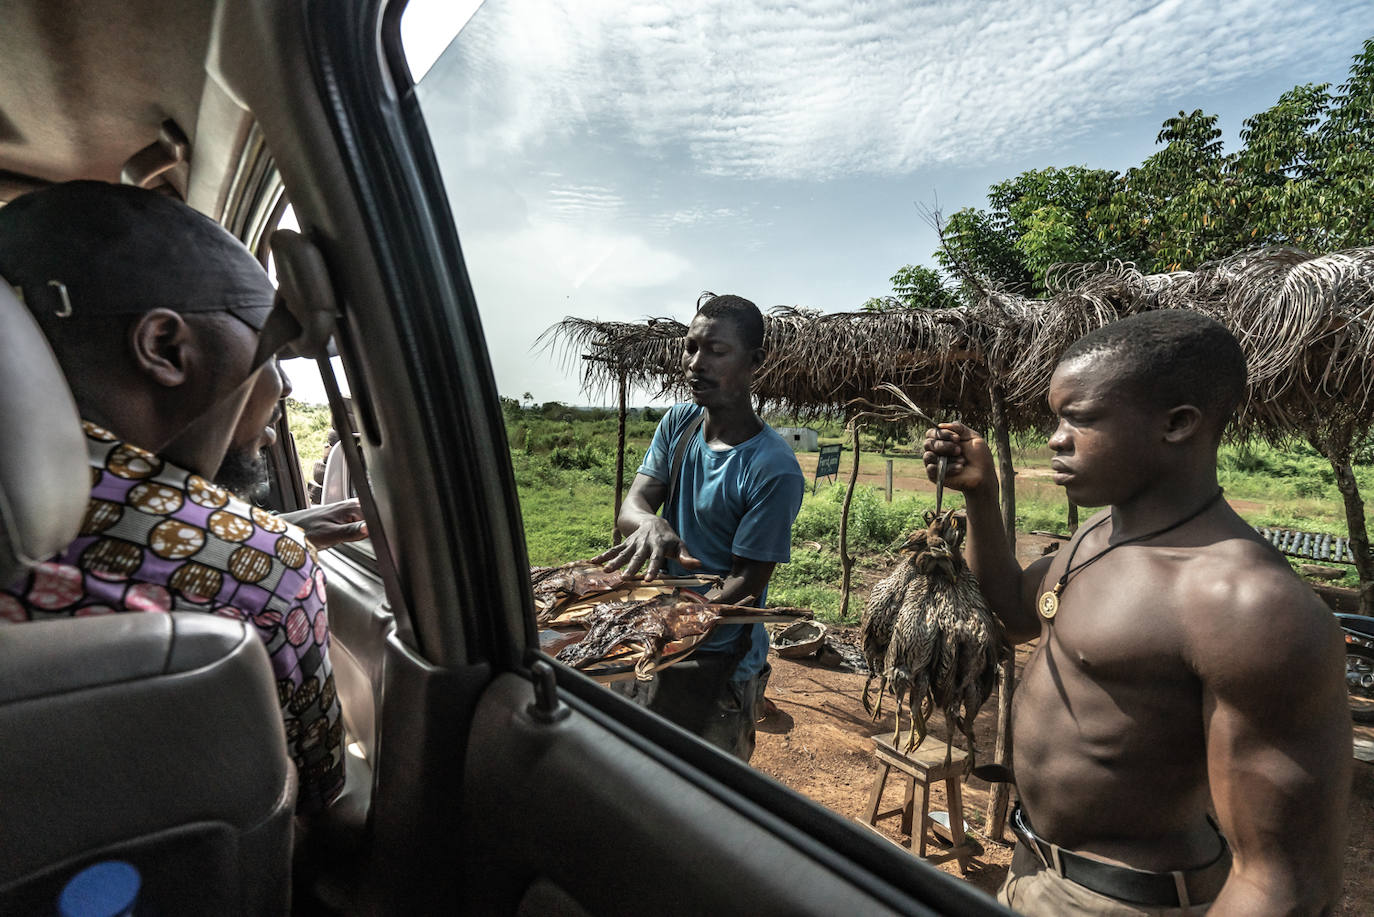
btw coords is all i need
(150, 738)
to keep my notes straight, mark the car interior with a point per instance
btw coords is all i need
(483, 777)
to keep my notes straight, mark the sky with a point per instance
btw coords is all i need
(613, 160)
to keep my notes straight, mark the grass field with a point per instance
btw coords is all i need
(564, 463)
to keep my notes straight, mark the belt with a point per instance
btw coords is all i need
(1180, 888)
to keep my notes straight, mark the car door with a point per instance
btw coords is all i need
(499, 781)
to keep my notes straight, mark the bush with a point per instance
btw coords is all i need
(576, 457)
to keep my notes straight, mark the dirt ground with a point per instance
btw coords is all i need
(819, 743)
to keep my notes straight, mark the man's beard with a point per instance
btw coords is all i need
(244, 473)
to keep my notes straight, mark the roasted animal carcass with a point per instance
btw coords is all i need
(555, 586)
(640, 627)
(573, 586)
(929, 635)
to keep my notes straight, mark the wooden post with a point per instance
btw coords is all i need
(846, 561)
(1000, 794)
(1006, 473)
(619, 464)
(1073, 517)
(1338, 454)
(889, 480)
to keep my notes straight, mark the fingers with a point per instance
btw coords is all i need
(642, 552)
(686, 559)
(612, 559)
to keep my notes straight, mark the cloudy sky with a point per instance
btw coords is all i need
(612, 160)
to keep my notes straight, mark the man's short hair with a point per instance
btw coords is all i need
(746, 316)
(1170, 357)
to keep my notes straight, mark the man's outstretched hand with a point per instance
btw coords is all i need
(330, 524)
(970, 460)
(655, 542)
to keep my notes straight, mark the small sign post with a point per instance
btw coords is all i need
(827, 464)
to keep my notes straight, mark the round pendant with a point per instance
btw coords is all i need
(1049, 605)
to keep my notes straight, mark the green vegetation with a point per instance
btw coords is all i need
(565, 473)
(1300, 179)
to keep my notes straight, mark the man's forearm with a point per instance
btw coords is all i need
(633, 514)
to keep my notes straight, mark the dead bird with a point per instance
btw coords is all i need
(944, 643)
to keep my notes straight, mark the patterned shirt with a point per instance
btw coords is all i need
(159, 538)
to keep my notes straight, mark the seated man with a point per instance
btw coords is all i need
(244, 469)
(153, 311)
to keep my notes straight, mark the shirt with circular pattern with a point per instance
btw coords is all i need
(157, 537)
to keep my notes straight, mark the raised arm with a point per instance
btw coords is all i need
(1278, 733)
(648, 536)
(1009, 590)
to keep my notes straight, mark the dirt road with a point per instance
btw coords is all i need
(819, 743)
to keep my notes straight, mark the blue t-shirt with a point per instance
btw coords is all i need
(739, 501)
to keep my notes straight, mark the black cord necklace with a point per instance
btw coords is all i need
(1049, 601)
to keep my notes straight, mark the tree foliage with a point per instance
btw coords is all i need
(915, 287)
(1304, 177)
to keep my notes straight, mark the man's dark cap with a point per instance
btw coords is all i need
(88, 248)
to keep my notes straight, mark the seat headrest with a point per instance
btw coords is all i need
(44, 481)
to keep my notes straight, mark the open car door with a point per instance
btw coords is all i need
(489, 779)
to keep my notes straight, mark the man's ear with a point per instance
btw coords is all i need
(757, 357)
(1183, 423)
(159, 344)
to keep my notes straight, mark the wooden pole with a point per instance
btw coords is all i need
(1000, 793)
(1006, 473)
(889, 480)
(847, 561)
(1073, 517)
(619, 464)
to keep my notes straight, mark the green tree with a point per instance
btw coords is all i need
(915, 287)
(1035, 220)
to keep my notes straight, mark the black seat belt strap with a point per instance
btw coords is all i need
(680, 453)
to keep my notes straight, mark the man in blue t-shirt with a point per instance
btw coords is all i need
(737, 493)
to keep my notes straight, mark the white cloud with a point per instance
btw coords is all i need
(823, 88)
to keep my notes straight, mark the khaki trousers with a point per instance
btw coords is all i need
(1035, 891)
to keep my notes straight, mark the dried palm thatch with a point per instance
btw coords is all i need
(1306, 324)
(817, 364)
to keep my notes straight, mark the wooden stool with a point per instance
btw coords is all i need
(923, 766)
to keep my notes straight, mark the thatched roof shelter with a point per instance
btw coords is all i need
(1306, 324)
(818, 363)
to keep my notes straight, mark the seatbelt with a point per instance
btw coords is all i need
(304, 288)
(680, 453)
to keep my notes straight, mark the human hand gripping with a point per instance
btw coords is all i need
(970, 465)
(653, 541)
(331, 524)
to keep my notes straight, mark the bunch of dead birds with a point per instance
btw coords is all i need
(629, 620)
(929, 636)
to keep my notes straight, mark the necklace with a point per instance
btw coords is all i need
(1049, 601)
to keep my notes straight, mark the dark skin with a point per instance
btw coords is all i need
(719, 368)
(176, 387)
(325, 526)
(1189, 670)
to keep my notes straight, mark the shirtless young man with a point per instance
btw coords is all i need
(1189, 670)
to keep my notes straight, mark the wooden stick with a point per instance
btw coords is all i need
(1000, 793)
(846, 560)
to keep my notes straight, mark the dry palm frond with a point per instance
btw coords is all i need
(1306, 325)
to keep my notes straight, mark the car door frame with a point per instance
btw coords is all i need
(351, 144)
